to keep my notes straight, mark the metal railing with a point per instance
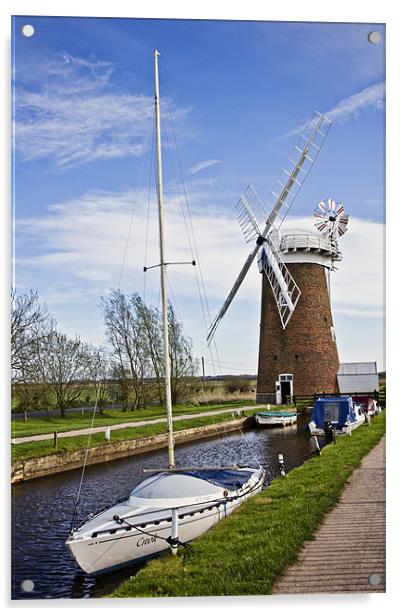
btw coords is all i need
(307, 241)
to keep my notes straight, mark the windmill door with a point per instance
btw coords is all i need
(286, 388)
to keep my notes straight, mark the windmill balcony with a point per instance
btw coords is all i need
(309, 242)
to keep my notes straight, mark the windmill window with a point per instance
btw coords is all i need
(275, 357)
(296, 356)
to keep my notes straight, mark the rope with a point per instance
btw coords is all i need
(174, 542)
(85, 460)
(132, 218)
(148, 208)
(194, 251)
(191, 239)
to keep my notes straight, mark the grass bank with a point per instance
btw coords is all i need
(247, 552)
(36, 449)
(77, 421)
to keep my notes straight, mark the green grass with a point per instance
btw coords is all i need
(247, 552)
(76, 421)
(36, 449)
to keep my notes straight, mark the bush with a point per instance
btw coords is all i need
(237, 384)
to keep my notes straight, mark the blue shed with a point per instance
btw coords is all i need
(335, 410)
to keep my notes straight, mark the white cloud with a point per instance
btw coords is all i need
(357, 287)
(75, 115)
(352, 106)
(366, 100)
(82, 252)
(203, 164)
(84, 240)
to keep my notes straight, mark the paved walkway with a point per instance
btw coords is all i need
(347, 554)
(130, 424)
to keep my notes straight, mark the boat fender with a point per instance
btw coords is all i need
(281, 465)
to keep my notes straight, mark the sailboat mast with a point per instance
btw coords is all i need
(168, 394)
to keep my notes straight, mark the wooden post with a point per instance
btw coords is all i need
(55, 440)
(203, 372)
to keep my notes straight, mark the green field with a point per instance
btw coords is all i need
(36, 449)
(212, 392)
(247, 552)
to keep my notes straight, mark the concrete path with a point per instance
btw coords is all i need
(131, 424)
(347, 554)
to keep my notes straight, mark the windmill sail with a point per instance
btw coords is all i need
(284, 288)
(289, 184)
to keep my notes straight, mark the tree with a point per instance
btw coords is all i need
(99, 373)
(64, 365)
(183, 366)
(121, 379)
(30, 324)
(29, 320)
(149, 322)
(124, 335)
(134, 331)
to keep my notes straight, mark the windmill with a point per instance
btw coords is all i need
(332, 220)
(293, 268)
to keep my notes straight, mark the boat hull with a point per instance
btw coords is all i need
(273, 421)
(317, 431)
(98, 555)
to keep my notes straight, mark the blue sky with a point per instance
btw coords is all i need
(235, 92)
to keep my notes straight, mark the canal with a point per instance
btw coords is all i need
(42, 509)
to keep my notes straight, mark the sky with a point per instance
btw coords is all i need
(234, 96)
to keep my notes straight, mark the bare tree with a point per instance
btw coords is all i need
(64, 366)
(99, 373)
(183, 366)
(28, 321)
(134, 331)
(30, 324)
(148, 320)
(121, 380)
(124, 335)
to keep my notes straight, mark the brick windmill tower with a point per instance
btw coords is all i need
(297, 355)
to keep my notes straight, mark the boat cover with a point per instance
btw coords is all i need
(230, 479)
(276, 413)
(337, 410)
(185, 484)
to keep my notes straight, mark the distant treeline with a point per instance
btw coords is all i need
(50, 368)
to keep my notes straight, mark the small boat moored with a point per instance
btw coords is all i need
(337, 414)
(275, 418)
(162, 508)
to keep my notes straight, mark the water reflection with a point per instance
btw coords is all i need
(42, 509)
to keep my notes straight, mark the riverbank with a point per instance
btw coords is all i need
(348, 551)
(78, 421)
(30, 463)
(238, 411)
(251, 549)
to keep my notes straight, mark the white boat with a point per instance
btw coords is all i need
(172, 506)
(275, 418)
(143, 525)
(339, 415)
